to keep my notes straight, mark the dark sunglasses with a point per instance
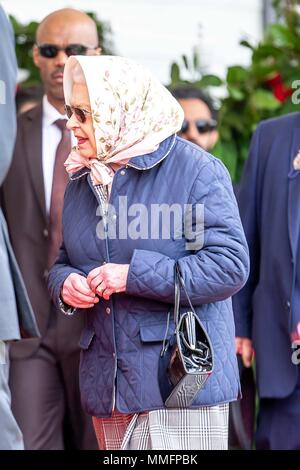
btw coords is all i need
(50, 50)
(203, 125)
(79, 113)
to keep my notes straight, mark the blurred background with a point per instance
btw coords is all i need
(155, 32)
(244, 53)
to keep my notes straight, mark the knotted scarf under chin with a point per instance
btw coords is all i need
(100, 173)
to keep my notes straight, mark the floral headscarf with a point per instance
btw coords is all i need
(131, 111)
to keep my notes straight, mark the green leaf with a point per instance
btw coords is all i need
(195, 60)
(237, 74)
(264, 71)
(185, 61)
(266, 51)
(234, 120)
(210, 80)
(236, 93)
(289, 107)
(227, 152)
(175, 73)
(246, 44)
(282, 35)
(263, 99)
(224, 131)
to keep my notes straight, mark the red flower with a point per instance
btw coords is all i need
(279, 89)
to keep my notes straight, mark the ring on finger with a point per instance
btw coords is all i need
(107, 292)
(101, 287)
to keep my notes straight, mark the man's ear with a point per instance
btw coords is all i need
(98, 51)
(36, 56)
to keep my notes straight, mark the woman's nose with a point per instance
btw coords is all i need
(72, 123)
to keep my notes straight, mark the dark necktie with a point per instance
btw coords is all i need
(60, 180)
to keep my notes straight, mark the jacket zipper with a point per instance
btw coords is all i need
(107, 252)
(107, 255)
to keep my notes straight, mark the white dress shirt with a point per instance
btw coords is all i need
(50, 139)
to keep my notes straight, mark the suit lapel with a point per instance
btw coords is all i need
(294, 195)
(33, 150)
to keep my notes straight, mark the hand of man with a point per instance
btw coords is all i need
(295, 335)
(77, 293)
(108, 279)
(245, 349)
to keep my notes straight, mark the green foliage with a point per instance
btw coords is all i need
(258, 91)
(25, 39)
(194, 70)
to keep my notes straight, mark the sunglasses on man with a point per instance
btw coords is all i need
(203, 125)
(80, 113)
(50, 50)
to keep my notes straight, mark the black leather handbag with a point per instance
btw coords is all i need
(186, 359)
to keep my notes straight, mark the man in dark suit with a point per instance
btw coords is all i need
(44, 373)
(16, 317)
(267, 309)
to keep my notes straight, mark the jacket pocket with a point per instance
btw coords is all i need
(155, 332)
(86, 338)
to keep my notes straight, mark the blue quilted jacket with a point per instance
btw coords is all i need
(123, 336)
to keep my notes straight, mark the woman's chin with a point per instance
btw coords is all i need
(86, 153)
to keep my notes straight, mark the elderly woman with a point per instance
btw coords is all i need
(116, 264)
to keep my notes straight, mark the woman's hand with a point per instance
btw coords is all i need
(245, 349)
(108, 279)
(77, 293)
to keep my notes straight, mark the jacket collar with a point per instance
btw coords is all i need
(145, 162)
(79, 173)
(142, 162)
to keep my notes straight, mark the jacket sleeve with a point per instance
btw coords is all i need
(247, 197)
(8, 83)
(214, 272)
(59, 273)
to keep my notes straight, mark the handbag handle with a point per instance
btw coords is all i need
(179, 283)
